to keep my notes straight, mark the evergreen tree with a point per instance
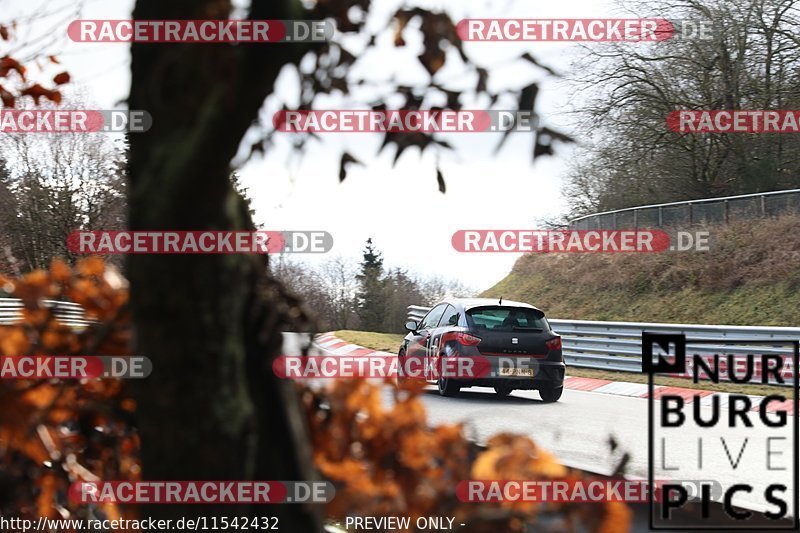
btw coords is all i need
(402, 290)
(371, 296)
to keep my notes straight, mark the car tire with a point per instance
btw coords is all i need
(447, 387)
(550, 394)
(503, 391)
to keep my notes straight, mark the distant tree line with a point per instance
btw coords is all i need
(626, 90)
(52, 185)
(362, 295)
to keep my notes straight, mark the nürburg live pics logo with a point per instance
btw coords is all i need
(724, 432)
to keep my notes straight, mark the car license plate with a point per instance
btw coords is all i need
(516, 372)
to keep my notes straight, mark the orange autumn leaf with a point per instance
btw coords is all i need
(341, 470)
(485, 465)
(91, 266)
(548, 466)
(7, 284)
(40, 397)
(128, 404)
(51, 340)
(48, 485)
(37, 92)
(8, 64)
(60, 271)
(62, 78)
(617, 517)
(19, 438)
(415, 449)
(7, 98)
(37, 278)
(14, 342)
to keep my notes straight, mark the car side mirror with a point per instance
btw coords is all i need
(412, 326)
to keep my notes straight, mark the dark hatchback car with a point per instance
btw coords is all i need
(514, 339)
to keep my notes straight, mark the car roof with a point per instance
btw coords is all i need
(471, 303)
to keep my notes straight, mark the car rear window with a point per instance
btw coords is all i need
(506, 318)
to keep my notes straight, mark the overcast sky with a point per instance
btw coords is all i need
(399, 207)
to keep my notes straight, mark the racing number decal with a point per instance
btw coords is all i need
(432, 354)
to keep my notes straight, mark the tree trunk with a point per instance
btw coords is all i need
(212, 408)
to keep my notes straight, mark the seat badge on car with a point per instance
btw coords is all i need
(514, 340)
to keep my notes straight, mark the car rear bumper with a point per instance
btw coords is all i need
(545, 373)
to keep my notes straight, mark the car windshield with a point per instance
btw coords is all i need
(507, 318)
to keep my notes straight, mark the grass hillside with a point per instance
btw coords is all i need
(751, 276)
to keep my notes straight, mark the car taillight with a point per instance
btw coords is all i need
(554, 344)
(464, 339)
(468, 340)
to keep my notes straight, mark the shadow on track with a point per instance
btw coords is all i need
(486, 396)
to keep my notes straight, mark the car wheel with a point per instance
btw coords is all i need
(447, 387)
(503, 390)
(550, 394)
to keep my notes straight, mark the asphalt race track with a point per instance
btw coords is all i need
(579, 429)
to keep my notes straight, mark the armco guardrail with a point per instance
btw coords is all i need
(68, 313)
(415, 312)
(618, 345)
(720, 210)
